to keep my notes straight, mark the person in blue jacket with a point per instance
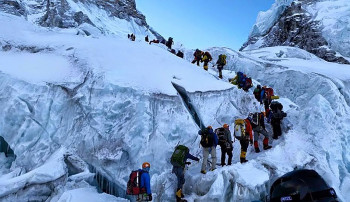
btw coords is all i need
(209, 141)
(145, 181)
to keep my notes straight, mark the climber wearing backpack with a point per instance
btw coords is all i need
(225, 142)
(179, 161)
(169, 43)
(206, 59)
(276, 115)
(239, 80)
(220, 63)
(209, 141)
(140, 183)
(258, 125)
(243, 132)
(197, 56)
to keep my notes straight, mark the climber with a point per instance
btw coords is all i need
(302, 185)
(243, 132)
(206, 59)
(197, 56)
(179, 161)
(139, 183)
(276, 115)
(154, 41)
(258, 125)
(180, 54)
(239, 80)
(267, 95)
(146, 39)
(209, 141)
(169, 43)
(132, 37)
(225, 142)
(220, 63)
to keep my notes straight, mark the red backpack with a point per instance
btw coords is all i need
(133, 186)
(269, 92)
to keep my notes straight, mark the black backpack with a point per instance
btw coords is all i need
(207, 138)
(221, 135)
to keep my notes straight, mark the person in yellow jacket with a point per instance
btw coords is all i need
(206, 59)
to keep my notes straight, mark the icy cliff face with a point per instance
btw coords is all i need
(88, 16)
(319, 27)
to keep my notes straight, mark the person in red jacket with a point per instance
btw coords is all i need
(245, 140)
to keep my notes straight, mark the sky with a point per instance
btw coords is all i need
(204, 23)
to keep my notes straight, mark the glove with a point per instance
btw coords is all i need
(197, 159)
(188, 163)
(231, 141)
(149, 197)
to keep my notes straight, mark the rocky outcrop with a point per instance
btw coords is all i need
(12, 7)
(63, 14)
(296, 28)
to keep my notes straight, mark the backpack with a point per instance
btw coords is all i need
(222, 60)
(275, 106)
(269, 92)
(133, 186)
(239, 132)
(207, 138)
(198, 53)
(208, 55)
(179, 155)
(221, 135)
(248, 83)
(240, 78)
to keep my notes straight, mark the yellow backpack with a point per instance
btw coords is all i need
(239, 132)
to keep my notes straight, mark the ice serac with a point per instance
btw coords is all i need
(319, 27)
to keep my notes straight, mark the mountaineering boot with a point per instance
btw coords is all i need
(257, 150)
(212, 169)
(243, 155)
(205, 68)
(275, 137)
(266, 143)
(203, 171)
(256, 146)
(267, 147)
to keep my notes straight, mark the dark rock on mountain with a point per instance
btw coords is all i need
(296, 28)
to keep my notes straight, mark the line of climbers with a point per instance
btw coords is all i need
(205, 57)
(246, 131)
(167, 43)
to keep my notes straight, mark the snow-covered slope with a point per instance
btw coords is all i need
(74, 105)
(320, 27)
